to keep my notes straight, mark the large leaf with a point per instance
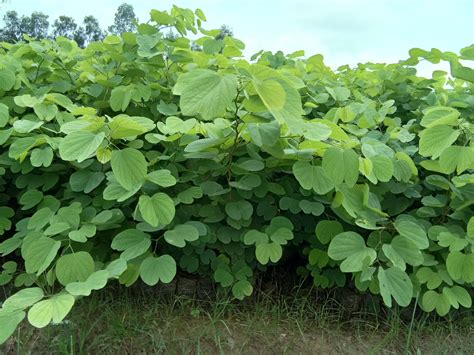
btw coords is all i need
(129, 167)
(206, 93)
(350, 247)
(132, 243)
(39, 252)
(80, 145)
(74, 267)
(157, 210)
(394, 282)
(280, 98)
(153, 270)
(433, 141)
(312, 178)
(341, 165)
(54, 309)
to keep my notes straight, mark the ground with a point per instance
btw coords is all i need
(305, 321)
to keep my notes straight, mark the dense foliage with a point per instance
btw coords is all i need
(138, 156)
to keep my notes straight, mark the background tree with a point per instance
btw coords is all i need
(11, 30)
(124, 20)
(92, 30)
(226, 31)
(64, 26)
(36, 25)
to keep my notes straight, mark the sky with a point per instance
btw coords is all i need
(344, 31)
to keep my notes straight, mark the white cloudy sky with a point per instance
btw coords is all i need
(344, 31)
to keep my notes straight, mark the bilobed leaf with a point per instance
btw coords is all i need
(80, 145)
(157, 209)
(241, 289)
(95, 281)
(131, 242)
(120, 98)
(129, 167)
(433, 141)
(123, 126)
(9, 321)
(312, 178)
(457, 158)
(266, 252)
(413, 232)
(350, 247)
(162, 178)
(74, 267)
(38, 253)
(461, 266)
(341, 165)
(153, 270)
(394, 282)
(280, 98)
(23, 299)
(54, 309)
(206, 93)
(439, 115)
(181, 234)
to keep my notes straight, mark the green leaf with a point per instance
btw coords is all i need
(7, 79)
(74, 267)
(223, 277)
(350, 247)
(205, 92)
(281, 236)
(458, 295)
(4, 115)
(341, 165)
(433, 141)
(439, 115)
(264, 134)
(241, 289)
(470, 228)
(54, 309)
(162, 178)
(157, 210)
(460, 266)
(132, 243)
(41, 157)
(45, 111)
(327, 230)
(181, 234)
(433, 300)
(80, 145)
(123, 126)
(412, 232)
(312, 178)
(255, 237)
(266, 252)
(457, 158)
(23, 299)
(95, 281)
(394, 282)
(129, 167)
(120, 98)
(281, 99)
(153, 270)
(38, 253)
(239, 210)
(9, 321)
(382, 167)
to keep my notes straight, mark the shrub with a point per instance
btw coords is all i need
(138, 155)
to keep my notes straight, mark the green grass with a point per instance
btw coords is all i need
(143, 320)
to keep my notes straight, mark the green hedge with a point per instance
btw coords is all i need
(140, 155)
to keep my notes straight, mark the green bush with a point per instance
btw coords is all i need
(140, 155)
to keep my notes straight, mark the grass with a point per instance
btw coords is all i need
(305, 321)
